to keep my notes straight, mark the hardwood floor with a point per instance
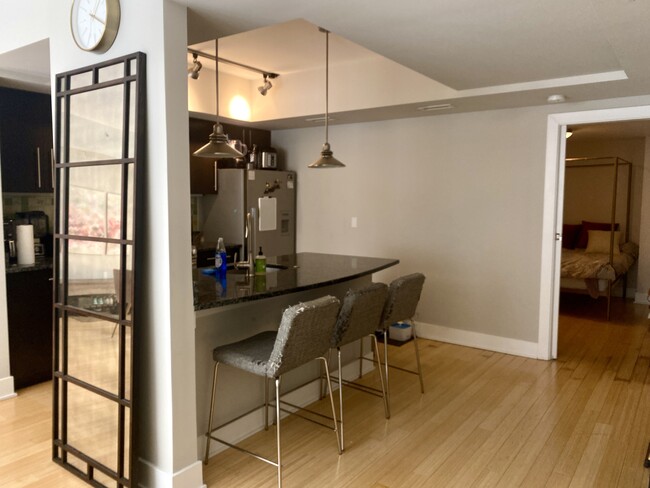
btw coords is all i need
(486, 420)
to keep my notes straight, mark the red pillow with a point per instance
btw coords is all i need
(583, 238)
(570, 233)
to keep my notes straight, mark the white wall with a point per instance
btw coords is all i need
(458, 197)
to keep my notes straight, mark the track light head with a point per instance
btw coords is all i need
(266, 86)
(193, 72)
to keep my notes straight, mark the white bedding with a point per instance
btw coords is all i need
(576, 263)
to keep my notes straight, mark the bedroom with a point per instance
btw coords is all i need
(593, 152)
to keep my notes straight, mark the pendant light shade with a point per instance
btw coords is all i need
(327, 159)
(217, 146)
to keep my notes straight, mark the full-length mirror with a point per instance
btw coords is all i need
(100, 116)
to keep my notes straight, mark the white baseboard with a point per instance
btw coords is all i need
(189, 477)
(476, 339)
(7, 388)
(254, 421)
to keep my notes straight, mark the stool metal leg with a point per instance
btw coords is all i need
(360, 357)
(277, 428)
(211, 413)
(338, 350)
(322, 379)
(266, 403)
(373, 340)
(329, 388)
(386, 363)
(417, 356)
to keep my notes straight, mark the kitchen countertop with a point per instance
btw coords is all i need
(40, 264)
(298, 272)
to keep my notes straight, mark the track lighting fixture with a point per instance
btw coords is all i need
(193, 72)
(266, 86)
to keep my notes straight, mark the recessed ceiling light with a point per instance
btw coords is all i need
(440, 106)
(557, 98)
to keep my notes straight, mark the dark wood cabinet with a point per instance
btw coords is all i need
(203, 176)
(29, 313)
(26, 141)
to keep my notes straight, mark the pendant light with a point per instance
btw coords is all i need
(327, 159)
(218, 147)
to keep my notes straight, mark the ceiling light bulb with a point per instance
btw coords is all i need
(569, 133)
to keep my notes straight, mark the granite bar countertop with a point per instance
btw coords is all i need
(40, 264)
(285, 274)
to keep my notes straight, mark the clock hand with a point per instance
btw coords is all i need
(98, 19)
(95, 8)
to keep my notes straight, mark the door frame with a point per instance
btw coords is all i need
(552, 213)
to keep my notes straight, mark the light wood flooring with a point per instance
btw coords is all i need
(485, 420)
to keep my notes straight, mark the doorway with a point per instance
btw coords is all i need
(553, 209)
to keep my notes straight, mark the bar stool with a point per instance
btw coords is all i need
(304, 335)
(403, 298)
(360, 313)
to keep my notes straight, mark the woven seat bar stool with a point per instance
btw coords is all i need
(360, 313)
(403, 298)
(304, 335)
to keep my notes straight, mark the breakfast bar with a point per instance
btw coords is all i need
(238, 305)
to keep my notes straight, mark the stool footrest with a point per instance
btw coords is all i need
(366, 389)
(302, 409)
(245, 451)
(404, 369)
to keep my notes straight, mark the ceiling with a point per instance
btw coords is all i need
(503, 53)
(27, 68)
(481, 55)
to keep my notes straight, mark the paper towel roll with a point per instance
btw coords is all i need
(25, 244)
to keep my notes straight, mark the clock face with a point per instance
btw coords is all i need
(94, 23)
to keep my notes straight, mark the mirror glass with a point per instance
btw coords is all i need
(91, 425)
(93, 352)
(96, 124)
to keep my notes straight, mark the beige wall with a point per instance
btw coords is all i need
(458, 197)
(643, 277)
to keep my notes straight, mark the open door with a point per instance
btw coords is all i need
(100, 116)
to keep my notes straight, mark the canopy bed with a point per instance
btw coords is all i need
(596, 253)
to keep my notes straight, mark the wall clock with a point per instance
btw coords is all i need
(94, 23)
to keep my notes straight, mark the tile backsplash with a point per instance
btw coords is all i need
(25, 202)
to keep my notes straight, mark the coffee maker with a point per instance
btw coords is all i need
(9, 227)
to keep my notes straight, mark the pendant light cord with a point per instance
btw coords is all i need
(327, 91)
(216, 73)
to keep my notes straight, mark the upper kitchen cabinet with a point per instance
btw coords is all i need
(203, 171)
(26, 149)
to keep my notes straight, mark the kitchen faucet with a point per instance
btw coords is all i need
(248, 235)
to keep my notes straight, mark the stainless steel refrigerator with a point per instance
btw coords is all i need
(268, 195)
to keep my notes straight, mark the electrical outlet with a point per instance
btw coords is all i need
(353, 222)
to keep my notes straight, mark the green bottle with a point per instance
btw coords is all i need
(260, 263)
